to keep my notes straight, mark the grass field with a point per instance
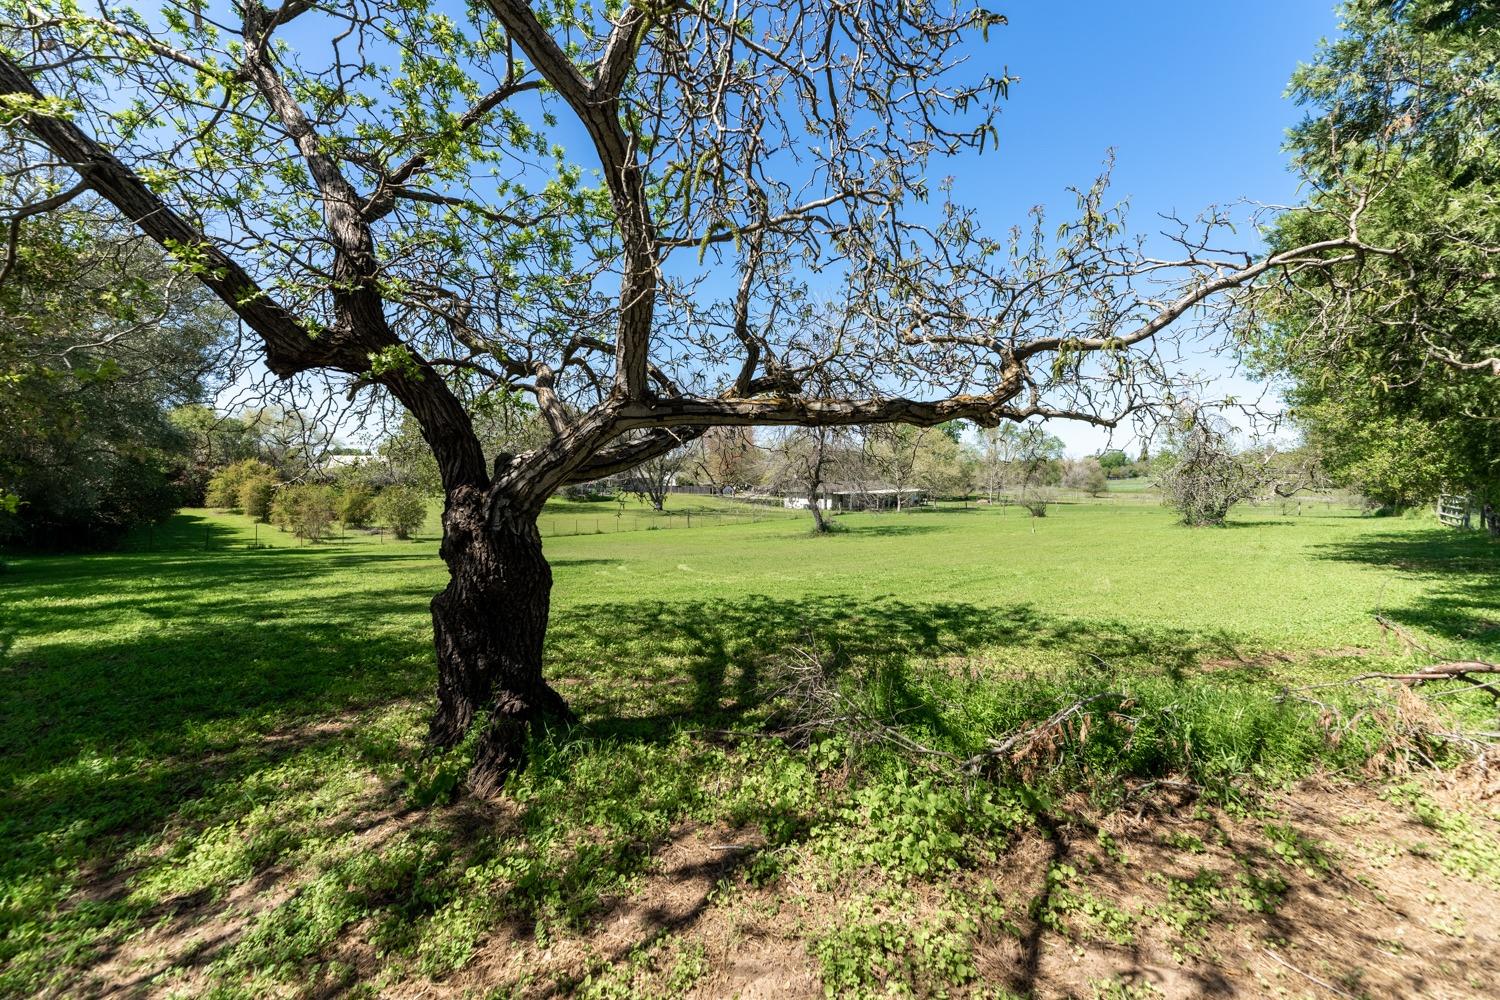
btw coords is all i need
(213, 782)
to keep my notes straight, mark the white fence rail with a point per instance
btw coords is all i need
(1455, 510)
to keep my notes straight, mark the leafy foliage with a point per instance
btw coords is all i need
(402, 509)
(225, 486)
(356, 505)
(305, 509)
(1392, 353)
(96, 345)
(1206, 478)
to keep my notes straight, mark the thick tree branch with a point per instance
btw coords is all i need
(289, 347)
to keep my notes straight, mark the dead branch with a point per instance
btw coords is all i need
(1027, 735)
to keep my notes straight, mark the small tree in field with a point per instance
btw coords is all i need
(1207, 478)
(304, 509)
(803, 459)
(356, 505)
(224, 488)
(1086, 475)
(653, 479)
(402, 509)
(256, 496)
(726, 458)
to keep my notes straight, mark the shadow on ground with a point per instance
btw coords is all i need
(222, 703)
(1464, 605)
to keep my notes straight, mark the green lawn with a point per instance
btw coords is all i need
(178, 724)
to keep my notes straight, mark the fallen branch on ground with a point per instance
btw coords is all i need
(1456, 670)
(1001, 749)
(820, 706)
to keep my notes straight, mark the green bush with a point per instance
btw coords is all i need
(224, 488)
(255, 497)
(356, 505)
(401, 509)
(305, 510)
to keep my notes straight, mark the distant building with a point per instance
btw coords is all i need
(838, 496)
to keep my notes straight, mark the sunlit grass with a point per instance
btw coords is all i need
(184, 722)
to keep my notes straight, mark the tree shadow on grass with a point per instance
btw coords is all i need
(886, 530)
(642, 669)
(112, 737)
(1462, 605)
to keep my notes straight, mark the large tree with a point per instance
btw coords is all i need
(97, 342)
(377, 191)
(1394, 352)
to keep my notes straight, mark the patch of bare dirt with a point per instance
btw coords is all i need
(1330, 891)
(1355, 902)
(687, 908)
(1367, 908)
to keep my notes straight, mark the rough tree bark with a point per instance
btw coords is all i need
(489, 626)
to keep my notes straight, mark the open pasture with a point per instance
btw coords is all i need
(213, 782)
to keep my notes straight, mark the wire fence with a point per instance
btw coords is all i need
(610, 522)
(235, 532)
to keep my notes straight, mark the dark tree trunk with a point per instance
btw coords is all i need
(820, 523)
(489, 625)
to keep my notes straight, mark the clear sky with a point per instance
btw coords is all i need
(1189, 94)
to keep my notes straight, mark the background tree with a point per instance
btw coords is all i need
(256, 497)
(356, 505)
(1206, 478)
(383, 204)
(802, 460)
(726, 458)
(920, 458)
(1393, 352)
(1116, 464)
(305, 509)
(214, 440)
(995, 452)
(402, 509)
(653, 479)
(98, 341)
(892, 455)
(1036, 468)
(224, 488)
(1085, 474)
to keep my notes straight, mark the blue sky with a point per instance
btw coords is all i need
(1188, 94)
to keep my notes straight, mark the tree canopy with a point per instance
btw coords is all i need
(97, 342)
(1394, 352)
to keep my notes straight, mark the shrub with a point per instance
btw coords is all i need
(1036, 499)
(305, 510)
(1087, 475)
(256, 496)
(356, 505)
(401, 509)
(224, 488)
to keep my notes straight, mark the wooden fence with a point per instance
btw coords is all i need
(1455, 510)
(1463, 511)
